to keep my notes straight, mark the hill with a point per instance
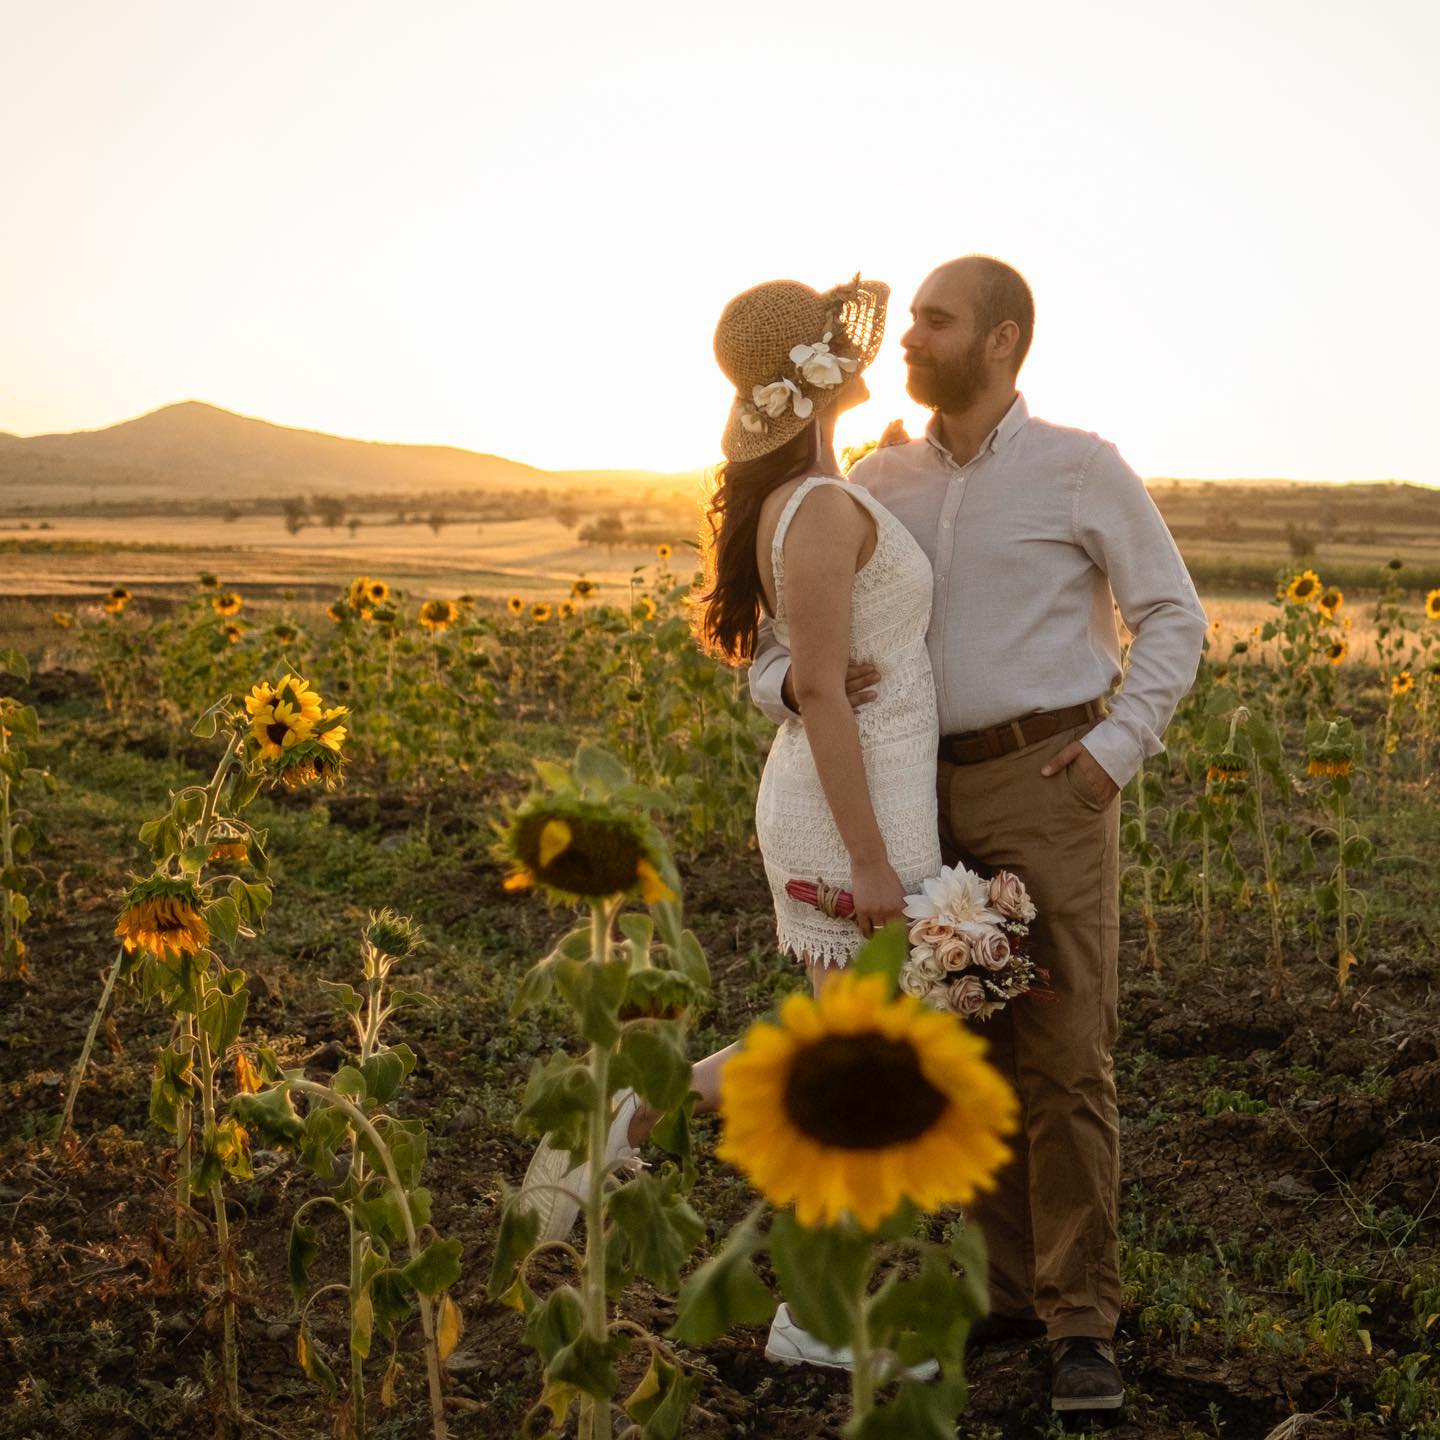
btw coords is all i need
(199, 451)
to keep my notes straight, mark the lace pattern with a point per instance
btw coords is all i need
(899, 735)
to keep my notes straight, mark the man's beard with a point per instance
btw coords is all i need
(952, 386)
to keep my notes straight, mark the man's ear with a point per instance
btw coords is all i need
(1003, 340)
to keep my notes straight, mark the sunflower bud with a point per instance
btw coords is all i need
(393, 934)
(1227, 773)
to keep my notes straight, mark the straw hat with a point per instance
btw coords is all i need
(789, 351)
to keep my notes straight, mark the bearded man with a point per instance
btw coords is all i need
(1036, 534)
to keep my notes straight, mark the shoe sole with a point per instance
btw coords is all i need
(1088, 1402)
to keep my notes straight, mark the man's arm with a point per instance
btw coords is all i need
(768, 672)
(1120, 528)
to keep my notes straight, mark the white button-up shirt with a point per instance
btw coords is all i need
(1034, 542)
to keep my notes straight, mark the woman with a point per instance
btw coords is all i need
(846, 799)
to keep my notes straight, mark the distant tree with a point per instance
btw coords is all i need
(354, 524)
(435, 520)
(296, 515)
(566, 515)
(1301, 539)
(231, 513)
(330, 509)
(607, 530)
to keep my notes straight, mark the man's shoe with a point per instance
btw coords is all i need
(555, 1190)
(791, 1345)
(1085, 1376)
(1001, 1329)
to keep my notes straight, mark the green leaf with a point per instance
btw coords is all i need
(205, 726)
(967, 1249)
(223, 1011)
(172, 1084)
(725, 1291)
(362, 1325)
(325, 1130)
(589, 1364)
(919, 1412)
(918, 1317)
(350, 999)
(15, 663)
(821, 1272)
(311, 1363)
(651, 1060)
(304, 1251)
(223, 918)
(559, 1096)
(554, 1323)
(435, 1268)
(271, 1115)
(659, 1229)
(598, 772)
(518, 1231)
(594, 992)
(659, 1403)
(1358, 851)
(384, 1071)
(884, 953)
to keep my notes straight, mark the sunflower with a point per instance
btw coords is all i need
(63, 620)
(377, 592)
(163, 915)
(230, 850)
(1402, 684)
(565, 609)
(855, 1102)
(285, 633)
(332, 733)
(120, 593)
(663, 551)
(644, 608)
(540, 612)
(1432, 605)
(335, 613)
(581, 850)
(1227, 773)
(231, 634)
(583, 589)
(1304, 587)
(207, 581)
(1331, 600)
(514, 604)
(1320, 766)
(227, 604)
(357, 595)
(309, 762)
(1336, 651)
(113, 607)
(283, 715)
(439, 614)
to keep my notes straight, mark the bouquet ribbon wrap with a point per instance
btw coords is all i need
(832, 902)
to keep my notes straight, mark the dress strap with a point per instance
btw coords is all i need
(792, 506)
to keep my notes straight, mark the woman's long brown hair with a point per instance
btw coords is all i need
(728, 614)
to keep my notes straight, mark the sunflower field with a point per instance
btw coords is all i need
(319, 910)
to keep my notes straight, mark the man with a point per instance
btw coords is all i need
(1036, 533)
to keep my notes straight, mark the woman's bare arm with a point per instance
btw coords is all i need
(823, 549)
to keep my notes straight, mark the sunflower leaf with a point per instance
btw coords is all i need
(554, 1323)
(594, 992)
(658, 1404)
(725, 1291)
(821, 1270)
(518, 1231)
(652, 1061)
(967, 1249)
(919, 1412)
(660, 1230)
(884, 953)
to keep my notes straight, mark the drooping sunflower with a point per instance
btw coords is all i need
(1331, 600)
(540, 612)
(1403, 683)
(1336, 652)
(163, 915)
(230, 850)
(583, 850)
(514, 604)
(309, 762)
(1304, 587)
(1227, 773)
(1332, 756)
(231, 634)
(663, 551)
(228, 603)
(854, 1102)
(1432, 605)
(439, 614)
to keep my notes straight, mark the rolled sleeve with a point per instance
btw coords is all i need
(768, 670)
(1124, 534)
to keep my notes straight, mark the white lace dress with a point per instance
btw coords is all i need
(899, 735)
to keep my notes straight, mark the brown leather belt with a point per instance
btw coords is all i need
(998, 740)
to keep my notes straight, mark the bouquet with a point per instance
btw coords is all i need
(968, 940)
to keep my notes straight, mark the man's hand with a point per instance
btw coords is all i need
(1102, 787)
(858, 682)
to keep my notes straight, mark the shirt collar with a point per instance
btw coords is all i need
(1011, 423)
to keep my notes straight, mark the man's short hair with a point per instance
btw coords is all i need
(1001, 294)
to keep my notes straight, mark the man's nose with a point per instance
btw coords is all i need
(910, 340)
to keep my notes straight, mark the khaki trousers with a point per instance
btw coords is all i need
(1051, 1226)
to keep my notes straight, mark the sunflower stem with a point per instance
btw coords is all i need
(862, 1372)
(230, 1355)
(89, 1045)
(595, 1414)
(184, 1122)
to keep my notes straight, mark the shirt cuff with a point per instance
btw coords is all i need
(1115, 752)
(767, 689)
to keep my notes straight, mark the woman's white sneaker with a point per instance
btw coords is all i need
(554, 1189)
(791, 1345)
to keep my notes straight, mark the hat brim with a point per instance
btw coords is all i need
(862, 305)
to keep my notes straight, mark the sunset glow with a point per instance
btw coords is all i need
(513, 228)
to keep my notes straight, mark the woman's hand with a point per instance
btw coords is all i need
(879, 895)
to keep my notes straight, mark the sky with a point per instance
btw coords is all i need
(513, 227)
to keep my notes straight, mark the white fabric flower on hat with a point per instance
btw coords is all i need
(753, 420)
(819, 365)
(772, 399)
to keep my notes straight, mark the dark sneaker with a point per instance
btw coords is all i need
(1084, 1376)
